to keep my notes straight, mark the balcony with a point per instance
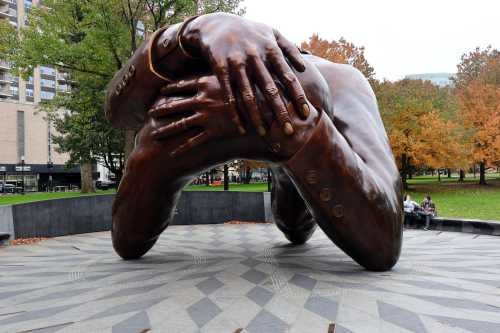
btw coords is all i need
(7, 12)
(6, 79)
(5, 92)
(4, 65)
(62, 77)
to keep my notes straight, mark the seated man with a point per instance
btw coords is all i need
(318, 125)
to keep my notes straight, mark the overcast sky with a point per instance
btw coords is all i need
(401, 37)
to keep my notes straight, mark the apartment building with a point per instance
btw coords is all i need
(27, 155)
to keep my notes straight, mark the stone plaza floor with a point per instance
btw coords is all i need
(247, 278)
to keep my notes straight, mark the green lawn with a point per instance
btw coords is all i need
(254, 187)
(40, 196)
(452, 199)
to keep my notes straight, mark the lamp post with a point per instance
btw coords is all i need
(22, 173)
(268, 179)
(50, 165)
(4, 171)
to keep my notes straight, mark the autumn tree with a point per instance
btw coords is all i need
(420, 119)
(478, 90)
(342, 52)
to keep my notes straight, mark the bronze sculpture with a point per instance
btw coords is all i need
(219, 87)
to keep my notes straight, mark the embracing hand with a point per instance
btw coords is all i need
(243, 54)
(197, 105)
(201, 107)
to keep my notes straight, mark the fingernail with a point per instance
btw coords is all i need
(261, 130)
(288, 128)
(305, 110)
(241, 130)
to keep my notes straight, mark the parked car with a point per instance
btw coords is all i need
(105, 184)
(7, 188)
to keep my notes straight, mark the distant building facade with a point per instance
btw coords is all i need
(439, 79)
(26, 151)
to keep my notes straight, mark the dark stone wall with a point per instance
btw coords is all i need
(219, 207)
(69, 216)
(61, 217)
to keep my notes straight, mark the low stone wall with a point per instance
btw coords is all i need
(52, 218)
(93, 213)
(69, 216)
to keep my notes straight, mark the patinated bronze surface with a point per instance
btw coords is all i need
(237, 89)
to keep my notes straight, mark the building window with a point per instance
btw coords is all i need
(47, 95)
(14, 90)
(47, 71)
(48, 83)
(30, 80)
(29, 93)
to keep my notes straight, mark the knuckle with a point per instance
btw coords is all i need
(290, 77)
(237, 61)
(247, 95)
(271, 90)
(270, 48)
(252, 51)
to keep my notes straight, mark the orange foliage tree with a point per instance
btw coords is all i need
(420, 119)
(342, 52)
(478, 90)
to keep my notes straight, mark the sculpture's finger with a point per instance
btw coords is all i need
(174, 106)
(290, 51)
(272, 95)
(193, 142)
(183, 86)
(289, 79)
(248, 96)
(221, 70)
(176, 127)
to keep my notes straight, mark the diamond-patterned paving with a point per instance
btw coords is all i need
(221, 278)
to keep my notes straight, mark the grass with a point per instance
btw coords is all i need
(453, 199)
(12, 199)
(253, 187)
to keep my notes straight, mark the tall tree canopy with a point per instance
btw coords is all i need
(340, 51)
(478, 90)
(422, 124)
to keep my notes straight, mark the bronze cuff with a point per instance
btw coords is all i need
(151, 43)
(181, 31)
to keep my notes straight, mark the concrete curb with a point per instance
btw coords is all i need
(474, 226)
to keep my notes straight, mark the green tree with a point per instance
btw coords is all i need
(91, 40)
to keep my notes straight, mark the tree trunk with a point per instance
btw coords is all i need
(404, 170)
(439, 175)
(268, 179)
(482, 173)
(462, 175)
(248, 175)
(207, 179)
(86, 177)
(226, 177)
(129, 143)
(449, 173)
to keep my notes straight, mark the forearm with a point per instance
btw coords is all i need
(158, 61)
(359, 210)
